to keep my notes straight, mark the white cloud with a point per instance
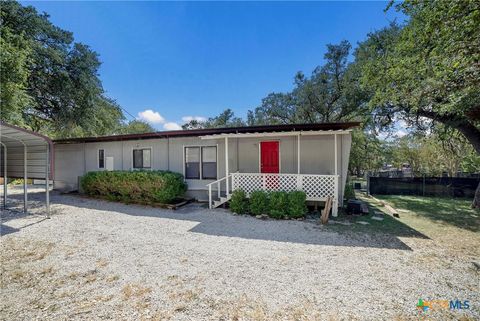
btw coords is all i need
(151, 117)
(188, 119)
(172, 126)
(400, 133)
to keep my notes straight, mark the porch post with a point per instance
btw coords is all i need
(47, 179)
(298, 153)
(209, 196)
(5, 185)
(336, 165)
(25, 178)
(299, 178)
(335, 203)
(226, 163)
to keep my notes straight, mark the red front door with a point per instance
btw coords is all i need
(269, 157)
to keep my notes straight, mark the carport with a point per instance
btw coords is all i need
(28, 155)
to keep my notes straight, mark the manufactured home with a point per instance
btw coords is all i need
(215, 162)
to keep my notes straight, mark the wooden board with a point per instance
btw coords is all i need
(326, 211)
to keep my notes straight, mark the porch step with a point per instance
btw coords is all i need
(221, 201)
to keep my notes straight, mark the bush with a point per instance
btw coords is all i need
(258, 203)
(349, 191)
(239, 202)
(297, 204)
(145, 187)
(278, 204)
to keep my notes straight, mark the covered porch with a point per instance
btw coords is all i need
(299, 170)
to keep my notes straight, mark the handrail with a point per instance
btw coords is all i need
(218, 181)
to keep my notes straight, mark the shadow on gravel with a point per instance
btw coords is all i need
(220, 222)
(17, 213)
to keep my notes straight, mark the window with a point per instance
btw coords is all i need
(192, 162)
(201, 162)
(209, 162)
(142, 158)
(101, 158)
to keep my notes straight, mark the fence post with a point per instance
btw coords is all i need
(368, 183)
(423, 185)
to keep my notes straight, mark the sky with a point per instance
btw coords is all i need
(169, 62)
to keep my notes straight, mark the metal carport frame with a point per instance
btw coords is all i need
(25, 154)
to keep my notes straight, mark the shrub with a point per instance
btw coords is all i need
(349, 191)
(239, 202)
(258, 203)
(297, 204)
(278, 204)
(143, 187)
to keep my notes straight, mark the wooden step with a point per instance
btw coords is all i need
(221, 201)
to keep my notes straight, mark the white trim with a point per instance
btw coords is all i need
(298, 154)
(151, 158)
(226, 164)
(98, 158)
(200, 163)
(5, 175)
(336, 156)
(276, 134)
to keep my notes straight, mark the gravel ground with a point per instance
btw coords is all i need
(100, 260)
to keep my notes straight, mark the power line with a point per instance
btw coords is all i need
(128, 113)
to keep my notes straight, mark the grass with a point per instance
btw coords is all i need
(420, 217)
(389, 225)
(445, 211)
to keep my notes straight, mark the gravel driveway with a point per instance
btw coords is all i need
(101, 260)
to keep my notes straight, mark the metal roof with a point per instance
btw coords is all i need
(15, 140)
(215, 131)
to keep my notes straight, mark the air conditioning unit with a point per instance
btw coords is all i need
(109, 163)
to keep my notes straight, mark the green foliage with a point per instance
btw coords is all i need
(137, 127)
(367, 152)
(226, 118)
(331, 93)
(349, 191)
(278, 204)
(49, 83)
(14, 59)
(259, 203)
(144, 187)
(239, 202)
(427, 72)
(432, 155)
(297, 206)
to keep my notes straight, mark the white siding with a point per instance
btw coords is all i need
(317, 157)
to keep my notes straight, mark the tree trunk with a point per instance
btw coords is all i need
(476, 199)
(463, 125)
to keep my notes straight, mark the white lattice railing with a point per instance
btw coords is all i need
(317, 187)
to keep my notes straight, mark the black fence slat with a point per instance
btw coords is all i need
(427, 186)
